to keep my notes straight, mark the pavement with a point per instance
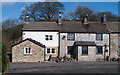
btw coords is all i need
(67, 67)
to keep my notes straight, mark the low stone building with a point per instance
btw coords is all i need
(28, 50)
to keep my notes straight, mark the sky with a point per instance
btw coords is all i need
(14, 9)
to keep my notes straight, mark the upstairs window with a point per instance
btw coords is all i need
(48, 37)
(99, 36)
(71, 36)
(99, 50)
(27, 50)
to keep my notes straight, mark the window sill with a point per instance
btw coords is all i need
(84, 54)
(70, 40)
(99, 53)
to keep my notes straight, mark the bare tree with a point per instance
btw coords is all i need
(109, 16)
(9, 23)
(42, 11)
(80, 12)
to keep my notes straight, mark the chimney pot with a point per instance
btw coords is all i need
(103, 19)
(60, 18)
(27, 19)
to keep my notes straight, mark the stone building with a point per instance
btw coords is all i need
(28, 50)
(114, 29)
(85, 41)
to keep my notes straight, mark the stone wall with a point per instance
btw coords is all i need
(114, 48)
(82, 37)
(19, 56)
(92, 56)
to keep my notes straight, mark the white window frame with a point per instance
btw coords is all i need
(28, 48)
(49, 37)
(50, 51)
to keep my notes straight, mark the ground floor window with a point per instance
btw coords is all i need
(51, 50)
(70, 50)
(27, 50)
(48, 50)
(99, 50)
(84, 50)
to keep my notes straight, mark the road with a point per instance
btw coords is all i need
(68, 67)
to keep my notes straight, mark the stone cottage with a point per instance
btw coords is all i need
(114, 28)
(28, 50)
(85, 41)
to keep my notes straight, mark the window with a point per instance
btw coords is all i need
(27, 50)
(85, 50)
(70, 50)
(71, 36)
(48, 37)
(53, 50)
(99, 50)
(48, 50)
(98, 36)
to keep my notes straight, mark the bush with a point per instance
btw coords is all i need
(4, 58)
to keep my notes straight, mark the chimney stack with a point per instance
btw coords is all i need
(27, 19)
(103, 19)
(85, 21)
(60, 18)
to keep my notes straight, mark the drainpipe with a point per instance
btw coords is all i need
(44, 53)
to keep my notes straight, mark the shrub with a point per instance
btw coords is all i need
(4, 58)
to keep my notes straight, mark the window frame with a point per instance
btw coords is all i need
(97, 49)
(73, 37)
(87, 50)
(48, 37)
(27, 51)
(100, 37)
(47, 50)
(50, 50)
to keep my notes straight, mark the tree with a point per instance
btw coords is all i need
(109, 16)
(9, 23)
(4, 58)
(80, 12)
(42, 11)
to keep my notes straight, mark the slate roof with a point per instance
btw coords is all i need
(40, 26)
(67, 26)
(31, 40)
(84, 43)
(113, 26)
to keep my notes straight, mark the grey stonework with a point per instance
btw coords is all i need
(19, 56)
(64, 43)
(92, 56)
(114, 45)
